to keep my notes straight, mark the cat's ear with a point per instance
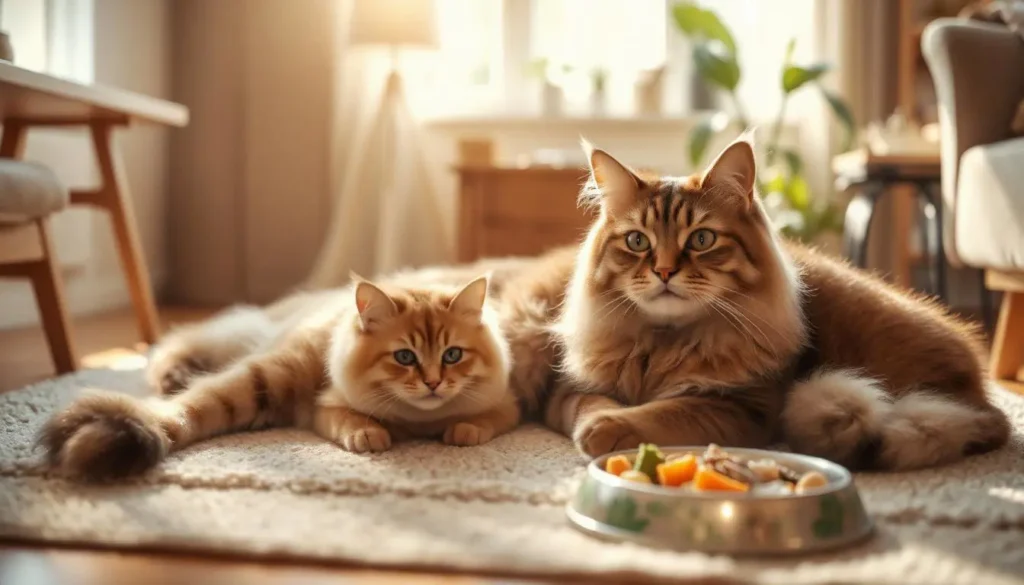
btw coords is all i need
(374, 305)
(619, 186)
(470, 300)
(734, 171)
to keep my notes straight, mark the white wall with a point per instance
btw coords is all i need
(132, 51)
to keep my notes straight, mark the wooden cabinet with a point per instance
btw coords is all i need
(518, 211)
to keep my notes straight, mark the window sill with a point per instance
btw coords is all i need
(668, 123)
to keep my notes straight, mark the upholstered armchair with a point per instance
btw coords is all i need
(979, 80)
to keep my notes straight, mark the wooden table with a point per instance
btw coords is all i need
(30, 99)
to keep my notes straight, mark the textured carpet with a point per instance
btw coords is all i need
(498, 508)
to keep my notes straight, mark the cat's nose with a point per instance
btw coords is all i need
(432, 384)
(665, 273)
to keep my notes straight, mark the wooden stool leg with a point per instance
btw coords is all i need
(49, 289)
(1008, 343)
(118, 202)
(12, 144)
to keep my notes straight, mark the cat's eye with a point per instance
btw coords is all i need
(452, 355)
(406, 357)
(701, 240)
(637, 241)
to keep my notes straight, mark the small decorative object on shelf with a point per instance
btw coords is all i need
(647, 92)
(6, 50)
(552, 98)
(599, 92)
(899, 135)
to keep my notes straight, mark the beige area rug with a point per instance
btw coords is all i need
(498, 508)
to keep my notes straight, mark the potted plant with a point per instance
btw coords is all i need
(598, 92)
(552, 96)
(780, 180)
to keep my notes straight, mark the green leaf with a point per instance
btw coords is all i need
(776, 184)
(720, 69)
(797, 193)
(622, 513)
(702, 24)
(843, 113)
(537, 67)
(702, 133)
(831, 219)
(793, 162)
(700, 136)
(790, 47)
(794, 76)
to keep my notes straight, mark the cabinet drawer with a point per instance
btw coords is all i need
(533, 196)
(509, 211)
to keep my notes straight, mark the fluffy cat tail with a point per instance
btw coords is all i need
(103, 436)
(850, 419)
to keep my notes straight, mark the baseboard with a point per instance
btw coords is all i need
(83, 298)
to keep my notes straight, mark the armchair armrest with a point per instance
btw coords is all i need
(978, 71)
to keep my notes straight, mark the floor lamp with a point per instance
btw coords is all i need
(395, 25)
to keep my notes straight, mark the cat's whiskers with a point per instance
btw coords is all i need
(742, 309)
(765, 341)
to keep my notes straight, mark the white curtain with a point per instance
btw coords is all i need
(387, 213)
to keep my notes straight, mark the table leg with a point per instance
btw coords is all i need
(857, 223)
(932, 237)
(117, 200)
(986, 303)
(12, 144)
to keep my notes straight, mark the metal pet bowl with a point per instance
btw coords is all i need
(722, 522)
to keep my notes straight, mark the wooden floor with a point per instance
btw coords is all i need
(107, 340)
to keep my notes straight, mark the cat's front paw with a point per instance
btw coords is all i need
(365, 440)
(604, 433)
(466, 434)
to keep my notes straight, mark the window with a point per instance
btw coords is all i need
(25, 23)
(53, 36)
(490, 50)
(616, 36)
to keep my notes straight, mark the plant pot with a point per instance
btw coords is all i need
(551, 99)
(702, 96)
(598, 102)
(6, 50)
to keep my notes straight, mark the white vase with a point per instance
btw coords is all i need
(552, 99)
(598, 102)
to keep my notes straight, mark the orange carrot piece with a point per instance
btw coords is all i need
(678, 471)
(708, 479)
(616, 465)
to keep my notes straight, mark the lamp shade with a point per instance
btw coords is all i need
(394, 23)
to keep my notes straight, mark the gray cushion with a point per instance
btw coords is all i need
(990, 206)
(29, 191)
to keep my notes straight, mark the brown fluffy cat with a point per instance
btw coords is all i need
(361, 367)
(688, 321)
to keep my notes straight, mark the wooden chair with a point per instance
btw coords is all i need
(29, 194)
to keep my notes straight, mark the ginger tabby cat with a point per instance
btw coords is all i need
(688, 321)
(361, 366)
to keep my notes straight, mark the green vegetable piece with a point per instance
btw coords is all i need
(648, 458)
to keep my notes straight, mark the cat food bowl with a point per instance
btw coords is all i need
(828, 515)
